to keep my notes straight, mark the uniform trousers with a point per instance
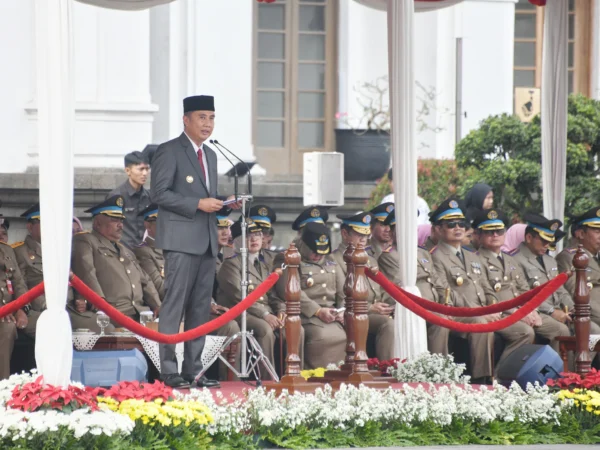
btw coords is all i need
(325, 343)
(383, 328)
(266, 338)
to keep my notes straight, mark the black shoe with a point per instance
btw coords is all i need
(482, 380)
(202, 382)
(175, 381)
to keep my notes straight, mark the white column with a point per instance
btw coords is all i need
(53, 343)
(411, 333)
(362, 53)
(113, 108)
(487, 30)
(17, 81)
(595, 57)
(554, 109)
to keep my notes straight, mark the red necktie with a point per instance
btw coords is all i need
(201, 161)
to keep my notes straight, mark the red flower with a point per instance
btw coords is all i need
(140, 391)
(36, 395)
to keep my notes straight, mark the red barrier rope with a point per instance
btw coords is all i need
(459, 327)
(195, 333)
(23, 300)
(465, 311)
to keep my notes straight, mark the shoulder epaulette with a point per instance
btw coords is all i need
(571, 250)
(336, 250)
(422, 247)
(140, 245)
(470, 249)
(82, 232)
(5, 244)
(17, 244)
(513, 252)
(232, 256)
(433, 249)
(387, 250)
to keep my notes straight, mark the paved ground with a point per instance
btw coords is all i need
(496, 447)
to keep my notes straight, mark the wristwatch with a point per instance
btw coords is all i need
(26, 309)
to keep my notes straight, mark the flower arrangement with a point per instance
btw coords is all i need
(425, 415)
(430, 368)
(319, 372)
(36, 395)
(571, 380)
(127, 390)
(384, 366)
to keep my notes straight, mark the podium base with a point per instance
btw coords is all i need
(293, 384)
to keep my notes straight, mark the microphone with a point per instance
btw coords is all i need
(235, 173)
(214, 141)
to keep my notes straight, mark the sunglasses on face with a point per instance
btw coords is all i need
(454, 224)
(493, 232)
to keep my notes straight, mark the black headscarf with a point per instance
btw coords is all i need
(475, 197)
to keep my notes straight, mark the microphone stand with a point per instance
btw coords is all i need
(248, 341)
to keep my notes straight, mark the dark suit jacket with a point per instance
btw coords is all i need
(177, 186)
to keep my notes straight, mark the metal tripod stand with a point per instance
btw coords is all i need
(249, 344)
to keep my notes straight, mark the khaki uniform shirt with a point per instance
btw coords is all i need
(468, 281)
(376, 249)
(229, 292)
(268, 256)
(113, 273)
(506, 277)
(322, 286)
(153, 262)
(376, 293)
(429, 245)
(430, 284)
(29, 257)
(536, 275)
(564, 261)
(134, 202)
(11, 278)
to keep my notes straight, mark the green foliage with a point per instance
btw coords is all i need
(382, 189)
(506, 154)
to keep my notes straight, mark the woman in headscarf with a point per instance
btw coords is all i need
(478, 198)
(514, 236)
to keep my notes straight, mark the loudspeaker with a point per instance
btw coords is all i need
(528, 364)
(323, 179)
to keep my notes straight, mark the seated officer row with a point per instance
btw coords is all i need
(133, 280)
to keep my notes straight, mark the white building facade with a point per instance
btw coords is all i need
(280, 72)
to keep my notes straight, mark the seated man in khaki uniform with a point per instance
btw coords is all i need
(356, 229)
(262, 317)
(264, 216)
(585, 229)
(539, 268)
(322, 285)
(508, 280)
(464, 274)
(381, 237)
(430, 284)
(152, 261)
(12, 286)
(109, 268)
(29, 258)
(316, 214)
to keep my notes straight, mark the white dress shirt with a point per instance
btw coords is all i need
(204, 161)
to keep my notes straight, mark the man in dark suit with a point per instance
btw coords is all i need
(184, 185)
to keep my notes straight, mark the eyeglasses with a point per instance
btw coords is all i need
(492, 232)
(459, 224)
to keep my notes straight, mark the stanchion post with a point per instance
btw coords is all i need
(360, 373)
(582, 313)
(349, 312)
(292, 381)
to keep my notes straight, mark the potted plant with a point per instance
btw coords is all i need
(365, 140)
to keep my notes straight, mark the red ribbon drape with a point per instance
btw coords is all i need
(189, 335)
(459, 327)
(467, 312)
(23, 300)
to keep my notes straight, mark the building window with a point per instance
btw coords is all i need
(293, 88)
(529, 32)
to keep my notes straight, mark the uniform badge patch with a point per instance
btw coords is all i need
(120, 202)
(453, 204)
